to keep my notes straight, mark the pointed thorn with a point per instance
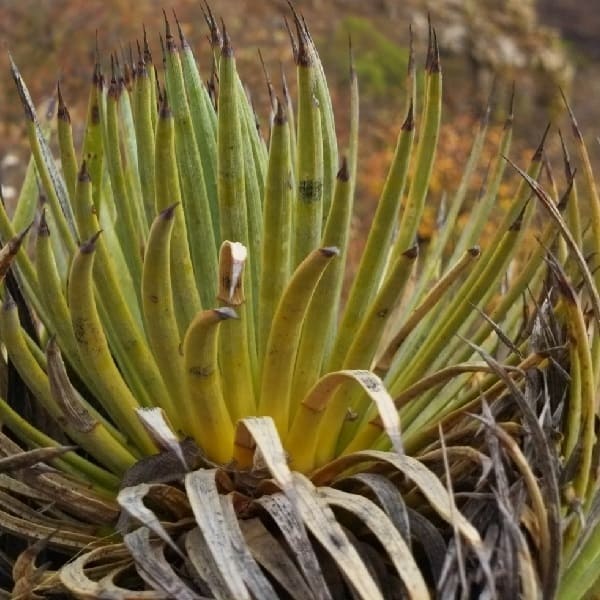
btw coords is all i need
(511, 102)
(147, 52)
(113, 74)
(84, 175)
(306, 29)
(294, 12)
(566, 157)
(329, 251)
(574, 124)
(28, 109)
(206, 17)
(163, 48)
(435, 66)
(412, 252)
(182, 39)
(167, 25)
(409, 122)
(518, 222)
(564, 200)
(268, 81)
(90, 246)
(215, 39)
(303, 56)
(60, 98)
(225, 313)
(165, 110)
(114, 89)
(97, 51)
(226, 48)
(280, 114)
(429, 56)
(537, 156)
(344, 173)
(169, 41)
(16, 242)
(351, 68)
(168, 213)
(97, 77)
(43, 229)
(510, 116)
(293, 42)
(209, 14)
(63, 111)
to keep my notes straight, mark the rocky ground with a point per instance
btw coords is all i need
(578, 22)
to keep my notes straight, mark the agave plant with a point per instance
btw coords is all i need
(215, 418)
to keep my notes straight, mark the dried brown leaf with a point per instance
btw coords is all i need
(391, 540)
(131, 500)
(258, 585)
(427, 482)
(389, 498)
(73, 496)
(264, 433)
(281, 510)
(213, 528)
(25, 573)
(66, 538)
(157, 424)
(550, 506)
(321, 522)
(270, 554)
(28, 458)
(75, 577)
(153, 567)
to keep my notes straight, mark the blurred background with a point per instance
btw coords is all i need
(541, 45)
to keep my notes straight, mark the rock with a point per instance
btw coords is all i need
(497, 35)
